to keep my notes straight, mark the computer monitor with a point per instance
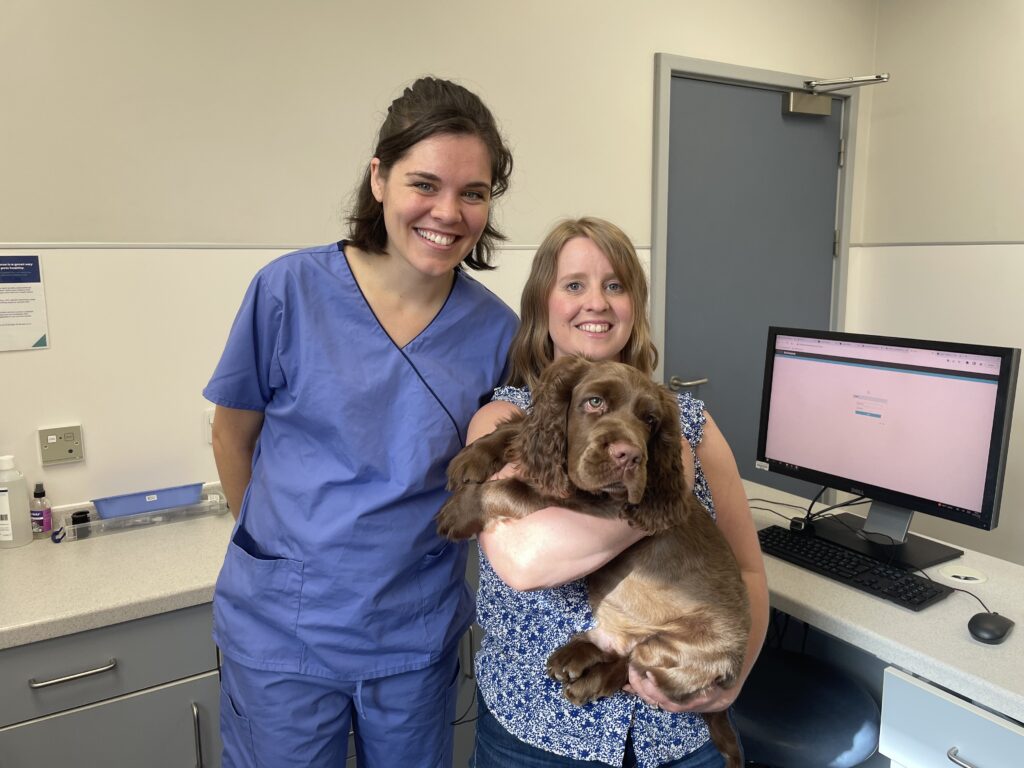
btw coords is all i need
(912, 425)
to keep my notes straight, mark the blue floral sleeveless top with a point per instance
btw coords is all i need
(523, 628)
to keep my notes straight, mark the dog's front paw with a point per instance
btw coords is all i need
(639, 516)
(630, 515)
(458, 520)
(470, 467)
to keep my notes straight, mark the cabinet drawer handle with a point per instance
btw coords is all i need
(952, 755)
(33, 683)
(196, 735)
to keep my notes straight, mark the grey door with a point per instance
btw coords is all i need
(751, 222)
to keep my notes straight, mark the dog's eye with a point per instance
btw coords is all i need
(594, 403)
(652, 421)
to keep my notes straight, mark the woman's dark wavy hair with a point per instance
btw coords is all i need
(427, 108)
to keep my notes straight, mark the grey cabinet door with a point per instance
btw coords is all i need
(142, 653)
(159, 728)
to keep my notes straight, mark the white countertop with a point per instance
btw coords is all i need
(934, 643)
(48, 590)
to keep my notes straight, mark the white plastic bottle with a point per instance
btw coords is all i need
(15, 520)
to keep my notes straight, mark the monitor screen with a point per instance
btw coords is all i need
(919, 425)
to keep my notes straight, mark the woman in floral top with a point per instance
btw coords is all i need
(587, 294)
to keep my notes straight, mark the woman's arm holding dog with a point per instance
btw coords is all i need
(737, 525)
(551, 546)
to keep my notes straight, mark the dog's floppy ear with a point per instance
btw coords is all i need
(663, 501)
(542, 443)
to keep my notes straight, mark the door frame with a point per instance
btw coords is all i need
(666, 66)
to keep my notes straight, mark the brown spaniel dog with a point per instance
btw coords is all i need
(604, 439)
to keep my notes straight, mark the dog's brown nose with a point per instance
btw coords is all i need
(625, 455)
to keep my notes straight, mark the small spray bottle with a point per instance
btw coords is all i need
(42, 514)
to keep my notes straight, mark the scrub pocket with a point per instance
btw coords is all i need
(256, 605)
(235, 731)
(435, 574)
(436, 555)
(441, 581)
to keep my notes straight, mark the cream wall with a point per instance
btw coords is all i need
(938, 247)
(946, 158)
(135, 334)
(967, 293)
(247, 123)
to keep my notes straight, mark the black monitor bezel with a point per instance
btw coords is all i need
(998, 447)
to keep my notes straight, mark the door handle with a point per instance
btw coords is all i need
(33, 683)
(675, 383)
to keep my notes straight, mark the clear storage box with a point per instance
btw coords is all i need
(148, 501)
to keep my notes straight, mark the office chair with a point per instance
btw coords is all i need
(796, 711)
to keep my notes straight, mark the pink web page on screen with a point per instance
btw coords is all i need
(923, 434)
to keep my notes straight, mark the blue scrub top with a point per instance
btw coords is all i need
(335, 568)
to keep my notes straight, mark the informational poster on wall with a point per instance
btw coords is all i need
(22, 304)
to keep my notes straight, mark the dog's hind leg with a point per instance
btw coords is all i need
(602, 679)
(586, 671)
(683, 669)
(572, 660)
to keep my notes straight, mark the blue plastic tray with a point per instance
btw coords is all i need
(148, 501)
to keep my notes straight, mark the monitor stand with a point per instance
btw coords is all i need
(884, 537)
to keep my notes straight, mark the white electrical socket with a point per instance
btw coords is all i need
(208, 425)
(61, 445)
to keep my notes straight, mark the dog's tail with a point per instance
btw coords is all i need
(724, 737)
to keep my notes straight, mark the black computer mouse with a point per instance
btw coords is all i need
(989, 628)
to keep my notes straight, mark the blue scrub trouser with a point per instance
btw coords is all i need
(276, 719)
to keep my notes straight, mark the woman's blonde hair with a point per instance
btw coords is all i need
(532, 351)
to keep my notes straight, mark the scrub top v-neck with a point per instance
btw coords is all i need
(376, 314)
(335, 568)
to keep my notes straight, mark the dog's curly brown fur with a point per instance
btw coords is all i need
(603, 439)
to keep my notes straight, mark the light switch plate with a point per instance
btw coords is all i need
(208, 425)
(60, 445)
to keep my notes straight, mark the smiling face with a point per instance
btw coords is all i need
(589, 311)
(436, 200)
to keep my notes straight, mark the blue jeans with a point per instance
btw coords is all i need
(497, 748)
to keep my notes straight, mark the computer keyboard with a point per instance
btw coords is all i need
(824, 557)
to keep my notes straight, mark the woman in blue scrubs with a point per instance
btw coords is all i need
(347, 383)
